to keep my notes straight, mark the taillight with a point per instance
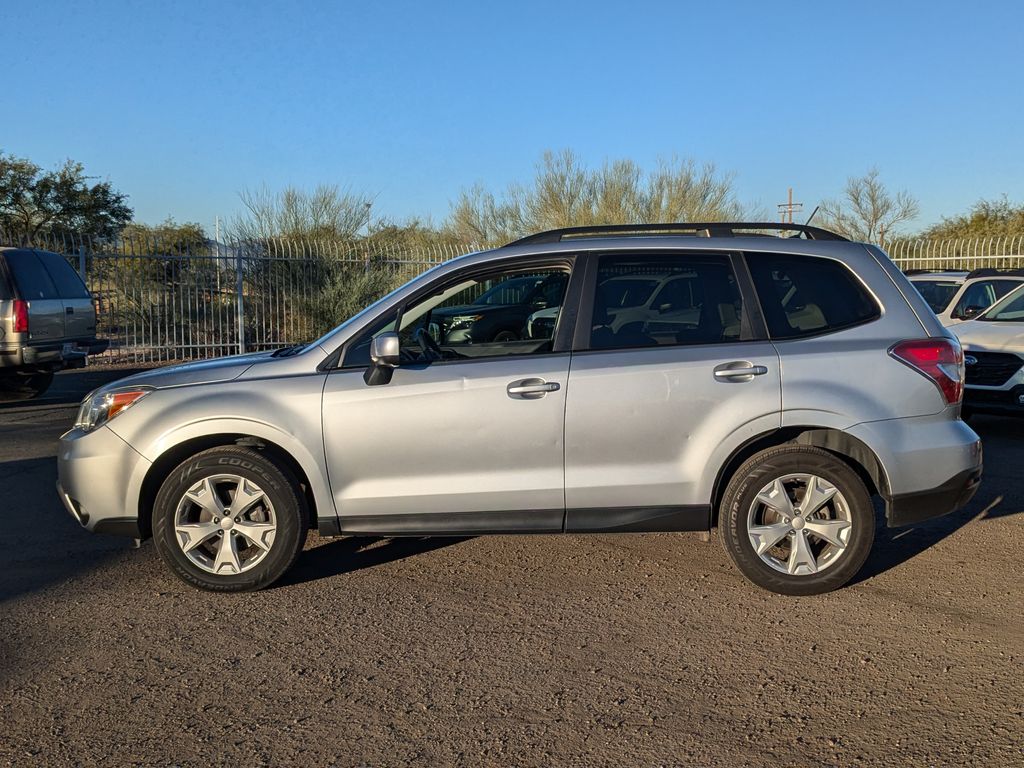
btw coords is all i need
(940, 359)
(20, 316)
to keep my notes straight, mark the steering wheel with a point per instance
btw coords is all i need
(430, 348)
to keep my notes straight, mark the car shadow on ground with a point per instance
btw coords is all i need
(41, 544)
(356, 553)
(1001, 495)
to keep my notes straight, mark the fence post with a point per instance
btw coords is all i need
(81, 262)
(241, 303)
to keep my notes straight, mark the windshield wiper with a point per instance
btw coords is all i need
(287, 351)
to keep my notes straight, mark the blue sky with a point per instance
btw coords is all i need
(183, 104)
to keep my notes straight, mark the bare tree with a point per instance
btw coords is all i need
(565, 193)
(326, 212)
(868, 212)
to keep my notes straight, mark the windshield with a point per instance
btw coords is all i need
(619, 292)
(937, 293)
(1009, 309)
(512, 291)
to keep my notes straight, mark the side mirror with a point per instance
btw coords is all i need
(384, 350)
(970, 312)
(384, 357)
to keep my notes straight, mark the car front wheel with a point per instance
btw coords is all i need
(229, 519)
(797, 520)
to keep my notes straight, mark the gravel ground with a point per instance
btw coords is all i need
(539, 650)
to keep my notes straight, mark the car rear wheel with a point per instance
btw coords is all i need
(229, 519)
(501, 336)
(19, 385)
(797, 520)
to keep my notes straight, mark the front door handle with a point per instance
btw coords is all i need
(739, 370)
(69, 310)
(530, 389)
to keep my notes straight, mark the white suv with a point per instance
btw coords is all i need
(958, 296)
(993, 345)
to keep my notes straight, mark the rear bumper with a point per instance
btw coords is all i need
(954, 494)
(931, 464)
(63, 354)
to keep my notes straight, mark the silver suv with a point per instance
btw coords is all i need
(794, 379)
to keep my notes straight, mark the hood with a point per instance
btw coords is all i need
(199, 372)
(991, 336)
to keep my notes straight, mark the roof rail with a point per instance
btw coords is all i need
(709, 229)
(993, 272)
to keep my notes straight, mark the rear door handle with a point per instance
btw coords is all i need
(740, 370)
(531, 389)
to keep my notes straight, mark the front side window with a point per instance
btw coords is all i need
(808, 295)
(1009, 309)
(983, 293)
(491, 314)
(664, 300)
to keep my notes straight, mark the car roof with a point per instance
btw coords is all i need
(777, 245)
(951, 275)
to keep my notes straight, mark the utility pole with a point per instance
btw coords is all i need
(788, 208)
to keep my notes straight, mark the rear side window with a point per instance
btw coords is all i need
(32, 279)
(69, 284)
(665, 300)
(937, 293)
(808, 295)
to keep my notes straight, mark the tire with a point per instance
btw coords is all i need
(501, 336)
(24, 386)
(186, 516)
(786, 567)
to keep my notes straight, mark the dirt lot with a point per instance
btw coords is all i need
(539, 650)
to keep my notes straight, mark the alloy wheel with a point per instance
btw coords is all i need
(799, 524)
(225, 524)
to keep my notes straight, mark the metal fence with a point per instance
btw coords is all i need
(964, 253)
(161, 301)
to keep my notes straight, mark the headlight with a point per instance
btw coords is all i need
(463, 321)
(98, 409)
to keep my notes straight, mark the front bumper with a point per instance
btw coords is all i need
(954, 494)
(1009, 402)
(95, 480)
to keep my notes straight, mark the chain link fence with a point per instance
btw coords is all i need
(160, 301)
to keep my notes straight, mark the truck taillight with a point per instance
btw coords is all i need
(940, 359)
(20, 316)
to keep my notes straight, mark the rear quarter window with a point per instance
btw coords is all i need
(809, 295)
(31, 278)
(65, 278)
